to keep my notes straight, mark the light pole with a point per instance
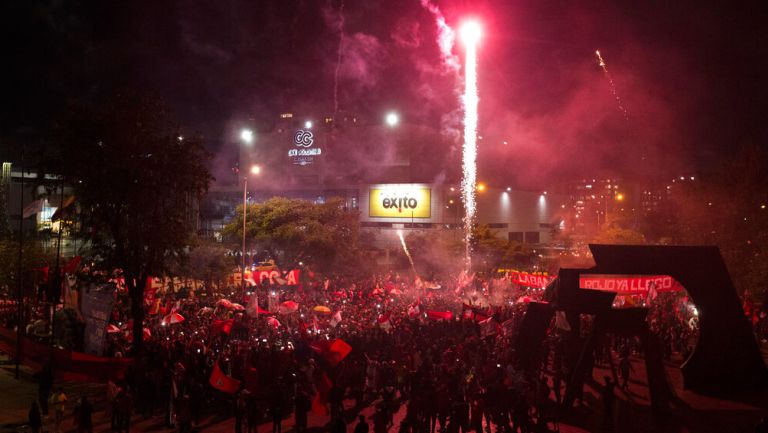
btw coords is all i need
(254, 170)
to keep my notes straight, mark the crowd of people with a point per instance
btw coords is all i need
(445, 351)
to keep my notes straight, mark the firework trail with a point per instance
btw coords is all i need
(470, 36)
(445, 37)
(602, 64)
(338, 60)
(407, 253)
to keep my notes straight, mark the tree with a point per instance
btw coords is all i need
(207, 262)
(729, 208)
(614, 234)
(137, 181)
(321, 235)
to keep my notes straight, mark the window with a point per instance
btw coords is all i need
(515, 236)
(532, 237)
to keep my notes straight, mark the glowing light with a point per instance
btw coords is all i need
(246, 135)
(392, 119)
(602, 64)
(509, 189)
(255, 169)
(308, 124)
(481, 187)
(470, 35)
(619, 196)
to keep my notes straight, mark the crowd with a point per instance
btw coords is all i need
(445, 352)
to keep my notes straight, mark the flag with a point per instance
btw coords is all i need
(222, 382)
(32, 208)
(507, 327)
(439, 315)
(561, 322)
(72, 265)
(323, 385)
(252, 309)
(44, 271)
(488, 327)
(332, 351)
(383, 321)
(336, 319)
(224, 326)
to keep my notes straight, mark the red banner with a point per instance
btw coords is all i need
(630, 284)
(439, 315)
(274, 276)
(530, 280)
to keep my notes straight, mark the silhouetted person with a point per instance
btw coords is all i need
(361, 426)
(762, 426)
(35, 419)
(84, 416)
(608, 403)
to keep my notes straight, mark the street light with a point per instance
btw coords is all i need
(255, 169)
(392, 119)
(246, 135)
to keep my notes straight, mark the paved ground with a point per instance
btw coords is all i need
(690, 412)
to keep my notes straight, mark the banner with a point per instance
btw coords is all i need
(439, 315)
(274, 276)
(96, 307)
(530, 280)
(630, 284)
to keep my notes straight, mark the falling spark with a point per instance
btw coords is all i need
(470, 34)
(338, 60)
(602, 64)
(405, 248)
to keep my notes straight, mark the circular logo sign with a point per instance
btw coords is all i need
(303, 138)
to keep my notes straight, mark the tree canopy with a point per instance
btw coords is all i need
(137, 179)
(323, 235)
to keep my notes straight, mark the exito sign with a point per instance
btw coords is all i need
(303, 152)
(400, 201)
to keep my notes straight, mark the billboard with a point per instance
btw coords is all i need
(400, 201)
(304, 150)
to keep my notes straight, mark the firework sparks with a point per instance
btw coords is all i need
(470, 34)
(602, 64)
(405, 249)
(338, 60)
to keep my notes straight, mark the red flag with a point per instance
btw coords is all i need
(222, 382)
(439, 315)
(72, 265)
(333, 351)
(320, 402)
(224, 326)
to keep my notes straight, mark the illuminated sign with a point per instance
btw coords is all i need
(400, 201)
(304, 153)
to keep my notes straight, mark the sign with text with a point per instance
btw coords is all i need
(630, 284)
(400, 201)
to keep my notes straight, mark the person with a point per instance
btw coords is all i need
(762, 426)
(59, 402)
(184, 415)
(338, 425)
(240, 409)
(252, 413)
(123, 408)
(625, 367)
(44, 386)
(84, 416)
(35, 419)
(608, 403)
(276, 407)
(303, 404)
(361, 426)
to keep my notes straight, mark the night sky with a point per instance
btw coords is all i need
(690, 74)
